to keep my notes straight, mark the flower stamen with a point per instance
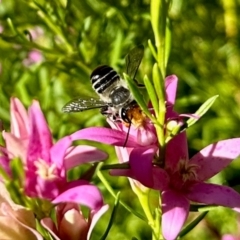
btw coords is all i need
(44, 170)
(187, 170)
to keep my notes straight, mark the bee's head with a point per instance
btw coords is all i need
(133, 115)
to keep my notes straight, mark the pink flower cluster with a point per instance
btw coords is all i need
(181, 180)
(45, 166)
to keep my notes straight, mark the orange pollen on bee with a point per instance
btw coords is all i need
(44, 170)
(137, 116)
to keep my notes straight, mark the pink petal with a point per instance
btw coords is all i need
(19, 119)
(104, 135)
(62, 208)
(81, 192)
(123, 154)
(160, 179)
(49, 225)
(40, 140)
(176, 150)
(214, 194)
(171, 115)
(4, 161)
(35, 56)
(141, 165)
(20, 219)
(175, 209)
(83, 154)
(36, 186)
(215, 157)
(16, 147)
(58, 151)
(73, 225)
(229, 237)
(96, 215)
(189, 115)
(171, 83)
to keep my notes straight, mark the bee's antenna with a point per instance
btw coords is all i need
(124, 145)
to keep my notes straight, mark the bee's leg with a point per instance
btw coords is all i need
(105, 111)
(108, 113)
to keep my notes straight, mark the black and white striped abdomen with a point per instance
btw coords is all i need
(103, 77)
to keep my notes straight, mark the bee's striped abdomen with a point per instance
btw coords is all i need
(102, 78)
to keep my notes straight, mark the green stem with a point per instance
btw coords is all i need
(109, 188)
(143, 196)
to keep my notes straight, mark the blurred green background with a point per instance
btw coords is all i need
(49, 48)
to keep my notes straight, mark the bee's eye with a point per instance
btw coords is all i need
(124, 115)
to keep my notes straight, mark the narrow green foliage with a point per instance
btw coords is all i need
(168, 42)
(156, 19)
(112, 218)
(115, 166)
(152, 94)
(159, 11)
(110, 190)
(201, 111)
(193, 224)
(152, 48)
(4, 175)
(17, 169)
(202, 207)
(158, 82)
(11, 26)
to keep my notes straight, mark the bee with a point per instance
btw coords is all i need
(115, 99)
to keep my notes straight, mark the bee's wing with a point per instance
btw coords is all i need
(133, 60)
(82, 104)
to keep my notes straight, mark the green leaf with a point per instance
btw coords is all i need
(202, 207)
(116, 204)
(158, 83)
(168, 41)
(64, 3)
(202, 110)
(192, 225)
(151, 93)
(110, 190)
(115, 166)
(153, 50)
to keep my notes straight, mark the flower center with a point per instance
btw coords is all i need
(184, 174)
(187, 170)
(44, 170)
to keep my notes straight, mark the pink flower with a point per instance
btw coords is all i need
(46, 164)
(71, 224)
(34, 56)
(182, 180)
(16, 222)
(230, 237)
(17, 140)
